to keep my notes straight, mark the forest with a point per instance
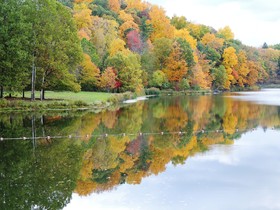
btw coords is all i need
(121, 45)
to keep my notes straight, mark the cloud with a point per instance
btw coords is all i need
(253, 22)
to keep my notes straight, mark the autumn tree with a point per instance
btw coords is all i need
(104, 33)
(162, 27)
(134, 41)
(129, 70)
(89, 74)
(220, 77)
(83, 19)
(117, 45)
(226, 33)
(158, 79)
(229, 61)
(162, 49)
(179, 22)
(108, 79)
(114, 5)
(242, 69)
(176, 66)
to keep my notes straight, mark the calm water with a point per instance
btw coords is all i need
(226, 155)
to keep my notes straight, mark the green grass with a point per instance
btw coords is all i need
(87, 97)
(63, 100)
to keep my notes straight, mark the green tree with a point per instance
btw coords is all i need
(90, 49)
(187, 52)
(220, 77)
(162, 49)
(179, 22)
(129, 70)
(57, 50)
(15, 57)
(159, 78)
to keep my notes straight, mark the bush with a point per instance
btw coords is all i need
(152, 91)
(3, 103)
(80, 103)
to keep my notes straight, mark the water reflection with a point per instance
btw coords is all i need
(44, 173)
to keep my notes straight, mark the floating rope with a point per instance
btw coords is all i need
(87, 136)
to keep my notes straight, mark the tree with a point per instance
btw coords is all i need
(134, 41)
(89, 74)
(161, 24)
(57, 49)
(212, 41)
(83, 19)
(90, 49)
(187, 52)
(129, 71)
(108, 79)
(158, 79)
(15, 36)
(226, 33)
(145, 29)
(265, 46)
(176, 66)
(229, 61)
(117, 45)
(114, 5)
(179, 22)
(242, 69)
(184, 34)
(104, 33)
(162, 49)
(220, 77)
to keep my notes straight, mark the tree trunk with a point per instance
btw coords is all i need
(33, 79)
(1, 92)
(10, 95)
(23, 94)
(42, 92)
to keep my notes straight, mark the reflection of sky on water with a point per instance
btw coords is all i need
(242, 176)
(265, 96)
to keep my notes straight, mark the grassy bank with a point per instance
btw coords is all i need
(63, 100)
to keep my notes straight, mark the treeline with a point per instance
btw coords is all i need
(120, 45)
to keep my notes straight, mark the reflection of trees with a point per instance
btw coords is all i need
(44, 179)
(204, 120)
(47, 177)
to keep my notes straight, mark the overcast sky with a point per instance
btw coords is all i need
(252, 21)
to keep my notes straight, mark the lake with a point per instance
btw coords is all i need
(217, 152)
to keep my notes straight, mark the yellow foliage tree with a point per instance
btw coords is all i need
(184, 34)
(176, 66)
(125, 16)
(117, 45)
(82, 16)
(226, 33)
(212, 41)
(161, 24)
(229, 61)
(90, 74)
(242, 69)
(114, 5)
(136, 4)
(128, 25)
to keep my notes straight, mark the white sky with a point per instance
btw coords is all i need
(252, 21)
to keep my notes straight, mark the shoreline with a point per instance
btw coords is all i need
(118, 99)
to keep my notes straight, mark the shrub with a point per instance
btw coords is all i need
(152, 91)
